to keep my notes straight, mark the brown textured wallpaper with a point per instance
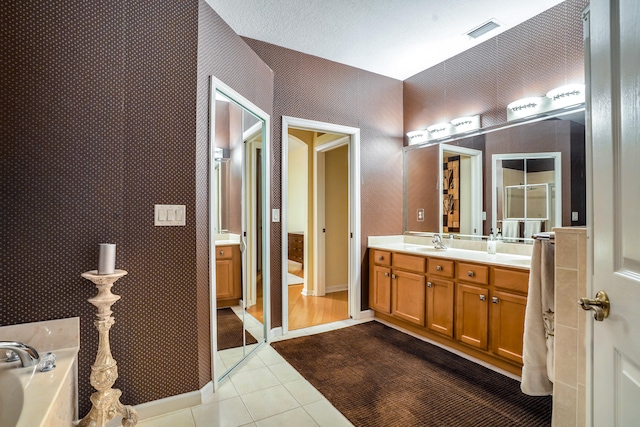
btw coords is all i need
(312, 88)
(104, 114)
(528, 60)
(98, 124)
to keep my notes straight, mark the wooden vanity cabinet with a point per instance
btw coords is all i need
(472, 315)
(408, 288)
(408, 296)
(380, 291)
(440, 296)
(509, 301)
(380, 281)
(471, 307)
(228, 275)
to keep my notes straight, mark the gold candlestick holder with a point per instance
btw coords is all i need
(104, 372)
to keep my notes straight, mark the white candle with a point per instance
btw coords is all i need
(107, 260)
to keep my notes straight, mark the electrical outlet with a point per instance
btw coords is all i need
(574, 216)
(420, 215)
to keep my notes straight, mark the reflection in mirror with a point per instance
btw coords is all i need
(236, 178)
(461, 184)
(430, 208)
(524, 192)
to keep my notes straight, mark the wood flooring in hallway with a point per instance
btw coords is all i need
(305, 311)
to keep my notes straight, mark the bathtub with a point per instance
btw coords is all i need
(33, 398)
(30, 398)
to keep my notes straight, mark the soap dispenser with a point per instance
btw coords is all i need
(491, 243)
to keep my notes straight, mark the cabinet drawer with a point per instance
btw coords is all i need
(224, 252)
(441, 267)
(512, 280)
(409, 262)
(382, 257)
(473, 273)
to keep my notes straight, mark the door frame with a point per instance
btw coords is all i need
(476, 183)
(355, 287)
(251, 226)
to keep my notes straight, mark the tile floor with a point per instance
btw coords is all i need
(264, 391)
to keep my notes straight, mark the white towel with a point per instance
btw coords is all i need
(539, 323)
(531, 228)
(510, 229)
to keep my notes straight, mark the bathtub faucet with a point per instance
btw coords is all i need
(27, 354)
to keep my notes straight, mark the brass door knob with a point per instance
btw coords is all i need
(600, 305)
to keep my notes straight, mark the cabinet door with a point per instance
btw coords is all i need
(224, 279)
(408, 297)
(472, 315)
(507, 325)
(380, 289)
(440, 295)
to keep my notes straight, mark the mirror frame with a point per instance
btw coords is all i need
(216, 85)
(452, 138)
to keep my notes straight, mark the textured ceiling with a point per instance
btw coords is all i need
(395, 38)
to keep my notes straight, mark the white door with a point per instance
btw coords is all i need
(615, 106)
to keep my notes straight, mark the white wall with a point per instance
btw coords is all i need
(298, 186)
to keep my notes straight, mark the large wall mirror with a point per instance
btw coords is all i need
(521, 178)
(238, 131)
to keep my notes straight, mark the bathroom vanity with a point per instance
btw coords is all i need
(465, 299)
(228, 274)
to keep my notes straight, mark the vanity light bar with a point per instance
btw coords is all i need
(566, 96)
(527, 107)
(560, 97)
(442, 130)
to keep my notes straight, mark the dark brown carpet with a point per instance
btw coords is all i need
(230, 330)
(377, 376)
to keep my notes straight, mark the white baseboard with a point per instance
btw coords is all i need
(275, 333)
(336, 288)
(308, 293)
(169, 404)
(366, 314)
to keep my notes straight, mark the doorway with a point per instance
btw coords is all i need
(320, 205)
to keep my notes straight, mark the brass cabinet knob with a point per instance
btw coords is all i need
(386, 274)
(483, 297)
(393, 276)
(429, 285)
(438, 267)
(470, 273)
(221, 252)
(494, 300)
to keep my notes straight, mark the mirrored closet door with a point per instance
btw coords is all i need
(237, 185)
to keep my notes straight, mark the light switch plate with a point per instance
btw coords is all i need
(275, 215)
(574, 216)
(170, 215)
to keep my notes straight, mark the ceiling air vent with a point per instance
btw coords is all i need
(483, 29)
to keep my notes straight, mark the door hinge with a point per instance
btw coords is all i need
(351, 235)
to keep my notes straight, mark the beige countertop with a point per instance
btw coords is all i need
(499, 259)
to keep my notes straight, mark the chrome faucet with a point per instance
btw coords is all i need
(27, 354)
(437, 242)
